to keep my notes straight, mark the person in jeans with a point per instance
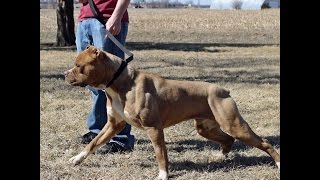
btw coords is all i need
(92, 32)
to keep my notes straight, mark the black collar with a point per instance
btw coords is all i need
(123, 65)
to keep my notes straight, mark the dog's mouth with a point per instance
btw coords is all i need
(73, 81)
(81, 84)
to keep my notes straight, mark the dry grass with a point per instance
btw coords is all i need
(190, 25)
(238, 50)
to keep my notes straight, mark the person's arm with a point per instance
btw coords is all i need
(83, 1)
(114, 22)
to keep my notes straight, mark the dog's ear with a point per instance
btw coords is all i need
(93, 50)
(96, 51)
(90, 48)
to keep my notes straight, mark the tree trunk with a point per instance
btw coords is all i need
(65, 22)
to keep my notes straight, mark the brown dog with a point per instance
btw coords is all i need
(152, 103)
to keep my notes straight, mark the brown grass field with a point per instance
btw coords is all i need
(239, 50)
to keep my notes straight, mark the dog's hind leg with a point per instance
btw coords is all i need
(227, 115)
(210, 129)
(112, 127)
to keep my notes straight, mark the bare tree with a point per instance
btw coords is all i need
(65, 22)
(237, 4)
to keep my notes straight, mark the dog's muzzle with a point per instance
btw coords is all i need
(69, 77)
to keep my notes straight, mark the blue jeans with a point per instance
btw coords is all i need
(92, 32)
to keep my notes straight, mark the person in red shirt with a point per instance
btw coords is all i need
(91, 31)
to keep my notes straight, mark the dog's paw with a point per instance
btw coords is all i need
(75, 160)
(163, 175)
(161, 178)
(278, 165)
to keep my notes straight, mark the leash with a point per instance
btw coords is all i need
(124, 62)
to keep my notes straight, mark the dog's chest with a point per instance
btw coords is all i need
(117, 107)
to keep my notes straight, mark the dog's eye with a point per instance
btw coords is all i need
(77, 65)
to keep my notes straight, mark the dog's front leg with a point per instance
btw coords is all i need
(112, 127)
(157, 138)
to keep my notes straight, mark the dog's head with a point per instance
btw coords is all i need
(89, 68)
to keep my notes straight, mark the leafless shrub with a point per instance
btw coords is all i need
(237, 4)
(265, 6)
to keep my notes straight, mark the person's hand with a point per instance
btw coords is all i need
(114, 25)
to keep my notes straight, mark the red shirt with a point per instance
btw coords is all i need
(105, 7)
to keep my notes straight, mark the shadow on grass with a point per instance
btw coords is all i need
(237, 161)
(234, 77)
(53, 47)
(187, 46)
(259, 76)
(52, 76)
(186, 145)
(164, 46)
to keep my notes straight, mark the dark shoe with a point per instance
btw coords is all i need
(87, 138)
(112, 147)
